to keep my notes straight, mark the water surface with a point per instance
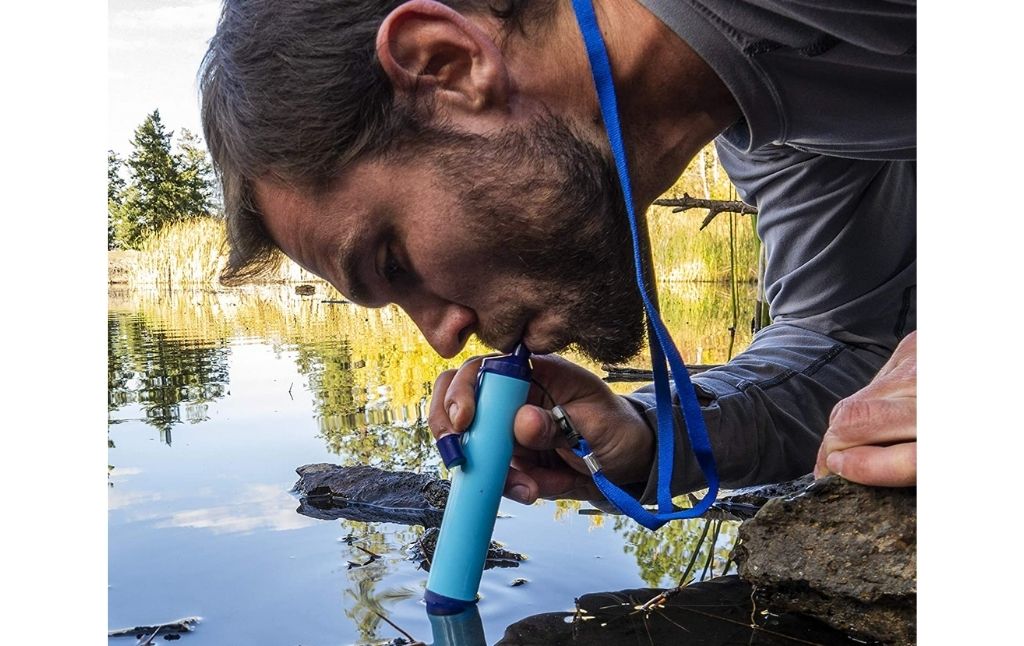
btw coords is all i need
(216, 397)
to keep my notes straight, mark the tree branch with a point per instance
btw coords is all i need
(624, 373)
(714, 207)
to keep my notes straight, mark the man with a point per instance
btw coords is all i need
(451, 158)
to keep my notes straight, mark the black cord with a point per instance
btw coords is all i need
(543, 390)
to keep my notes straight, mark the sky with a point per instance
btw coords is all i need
(154, 49)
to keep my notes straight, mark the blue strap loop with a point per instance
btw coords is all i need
(662, 347)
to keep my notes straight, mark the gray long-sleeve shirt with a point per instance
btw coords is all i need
(825, 150)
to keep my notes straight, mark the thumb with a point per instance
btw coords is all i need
(535, 428)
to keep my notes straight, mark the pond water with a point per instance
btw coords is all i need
(215, 397)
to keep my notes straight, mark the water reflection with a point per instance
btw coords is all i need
(681, 552)
(172, 378)
(462, 629)
(215, 397)
(372, 553)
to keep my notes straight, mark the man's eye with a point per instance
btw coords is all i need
(392, 269)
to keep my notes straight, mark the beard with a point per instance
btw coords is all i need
(546, 206)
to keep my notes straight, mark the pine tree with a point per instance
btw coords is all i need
(115, 197)
(155, 176)
(165, 186)
(195, 177)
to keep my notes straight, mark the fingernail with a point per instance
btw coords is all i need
(834, 461)
(520, 493)
(453, 409)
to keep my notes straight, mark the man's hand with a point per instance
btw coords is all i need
(543, 466)
(872, 435)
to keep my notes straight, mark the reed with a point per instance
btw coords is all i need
(682, 252)
(188, 253)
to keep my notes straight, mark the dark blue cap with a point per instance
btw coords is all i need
(516, 364)
(450, 448)
(439, 604)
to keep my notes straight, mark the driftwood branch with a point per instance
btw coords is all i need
(623, 373)
(714, 207)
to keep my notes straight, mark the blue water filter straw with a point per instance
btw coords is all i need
(502, 386)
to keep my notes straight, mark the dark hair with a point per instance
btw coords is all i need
(294, 88)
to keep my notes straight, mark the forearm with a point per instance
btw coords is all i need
(767, 409)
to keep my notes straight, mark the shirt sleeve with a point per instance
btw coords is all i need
(840, 238)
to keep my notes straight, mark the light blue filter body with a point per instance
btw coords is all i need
(472, 507)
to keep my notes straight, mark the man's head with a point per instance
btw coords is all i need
(387, 148)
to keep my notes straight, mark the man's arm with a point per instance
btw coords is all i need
(767, 409)
(841, 281)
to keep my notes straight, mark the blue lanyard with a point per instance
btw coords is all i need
(662, 346)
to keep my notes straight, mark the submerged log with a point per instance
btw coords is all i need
(422, 550)
(168, 630)
(365, 493)
(840, 552)
(369, 494)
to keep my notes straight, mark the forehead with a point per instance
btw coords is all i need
(335, 234)
(317, 230)
(295, 216)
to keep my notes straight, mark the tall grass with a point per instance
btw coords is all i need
(192, 252)
(682, 252)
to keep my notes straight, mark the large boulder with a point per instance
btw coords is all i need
(843, 553)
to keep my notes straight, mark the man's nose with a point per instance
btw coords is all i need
(444, 324)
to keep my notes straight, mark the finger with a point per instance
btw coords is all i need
(535, 428)
(521, 487)
(437, 416)
(820, 468)
(881, 466)
(555, 482)
(856, 421)
(460, 399)
(564, 380)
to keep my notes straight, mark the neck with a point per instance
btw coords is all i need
(671, 103)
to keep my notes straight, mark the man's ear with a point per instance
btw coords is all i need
(427, 47)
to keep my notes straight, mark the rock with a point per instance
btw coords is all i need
(497, 556)
(840, 552)
(365, 493)
(712, 613)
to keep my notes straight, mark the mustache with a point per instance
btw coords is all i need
(505, 327)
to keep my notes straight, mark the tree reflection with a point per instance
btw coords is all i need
(369, 372)
(170, 377)
(371, 552)
(680, 552)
